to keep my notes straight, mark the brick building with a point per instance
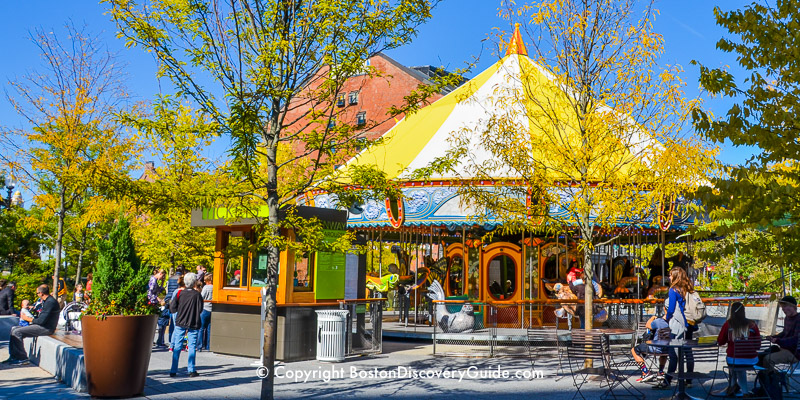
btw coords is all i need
(365, 100)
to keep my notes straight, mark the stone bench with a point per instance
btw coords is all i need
(52, 354)
(63, 361)
(6, 322)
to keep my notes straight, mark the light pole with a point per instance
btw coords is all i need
(9, 179)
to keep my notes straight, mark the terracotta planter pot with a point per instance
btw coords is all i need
(116, 353)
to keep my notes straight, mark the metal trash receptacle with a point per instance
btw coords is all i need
(331, 331)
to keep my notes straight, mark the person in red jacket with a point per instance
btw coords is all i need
(743, 339)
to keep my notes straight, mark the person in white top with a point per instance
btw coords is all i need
(205, 316)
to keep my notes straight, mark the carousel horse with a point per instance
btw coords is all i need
(382, 285)
(563, 292)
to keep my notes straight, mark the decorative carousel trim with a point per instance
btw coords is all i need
(396, 222)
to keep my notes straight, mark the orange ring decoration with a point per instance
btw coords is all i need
(666, 222)
(395, 221)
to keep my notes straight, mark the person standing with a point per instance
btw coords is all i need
(172, 287)
(678, 325)
(7, 297)
(201, 275)
(154, 289)
(189, 306)
(77, 296)
(205, 316)
(61, 291)
(88, 287)
(44, 324)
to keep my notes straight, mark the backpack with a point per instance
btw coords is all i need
(695, 310)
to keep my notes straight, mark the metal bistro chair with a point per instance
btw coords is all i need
(740, 346)
(545, 344)
(593, 347)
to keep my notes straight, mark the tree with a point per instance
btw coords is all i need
(72, 136)
(19, 244)
(119, 277)
(261, 57)
(760, 193)
(176, 136)
(592, 140)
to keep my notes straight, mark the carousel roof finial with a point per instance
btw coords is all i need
(516, 45)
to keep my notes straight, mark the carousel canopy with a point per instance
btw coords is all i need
(511, 88)
(515, 88)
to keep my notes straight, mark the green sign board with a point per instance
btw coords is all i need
(234, 212)
(330, 275)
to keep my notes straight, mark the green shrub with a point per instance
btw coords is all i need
(120, 279)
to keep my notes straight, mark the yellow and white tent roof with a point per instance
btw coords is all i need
(420, 138)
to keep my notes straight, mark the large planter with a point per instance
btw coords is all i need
(116, 352)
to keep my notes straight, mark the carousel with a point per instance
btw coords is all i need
(434, 235)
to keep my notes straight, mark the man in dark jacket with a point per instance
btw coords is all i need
(42, 325)
(7, 297)
(787, 339)
(188, 305)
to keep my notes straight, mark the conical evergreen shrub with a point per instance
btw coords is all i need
(120, 279)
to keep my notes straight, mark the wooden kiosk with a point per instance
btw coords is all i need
(306, 283)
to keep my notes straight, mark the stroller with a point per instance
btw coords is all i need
(70, 316)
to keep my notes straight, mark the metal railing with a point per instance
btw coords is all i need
(364, 326)
(500, 328)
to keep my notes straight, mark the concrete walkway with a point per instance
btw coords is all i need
(391, 374)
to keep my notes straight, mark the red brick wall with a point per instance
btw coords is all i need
(376, 95)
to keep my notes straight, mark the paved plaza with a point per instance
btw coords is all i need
(401, 372)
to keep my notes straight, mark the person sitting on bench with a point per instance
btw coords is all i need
(44, 324)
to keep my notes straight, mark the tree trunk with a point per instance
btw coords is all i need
(59, 238)
(80, 255)
(271, 317)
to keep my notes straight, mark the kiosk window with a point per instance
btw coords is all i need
(260, 266)
(304, 272)
(236, 251)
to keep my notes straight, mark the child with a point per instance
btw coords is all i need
(78, 296)
(736, 330)
(25, 313)
(657, 329)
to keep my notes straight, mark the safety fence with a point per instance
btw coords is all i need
(365, 325)
(478, 329)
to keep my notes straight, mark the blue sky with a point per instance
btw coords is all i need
(453, 36)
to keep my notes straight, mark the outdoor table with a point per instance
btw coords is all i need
(680, 345)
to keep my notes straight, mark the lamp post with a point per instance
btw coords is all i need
(9, 189)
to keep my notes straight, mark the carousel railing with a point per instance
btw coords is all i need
(501, 328)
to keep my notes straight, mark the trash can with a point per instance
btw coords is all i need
(331, 331)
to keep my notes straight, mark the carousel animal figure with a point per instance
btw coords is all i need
(460, 322)
(383, 284)
(567, 311)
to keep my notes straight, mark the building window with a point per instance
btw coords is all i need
(352, 98)
(361, 143)
(340, 100)
(361, 118)
(331, 123)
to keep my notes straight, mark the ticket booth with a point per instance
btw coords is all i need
(306, 282)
